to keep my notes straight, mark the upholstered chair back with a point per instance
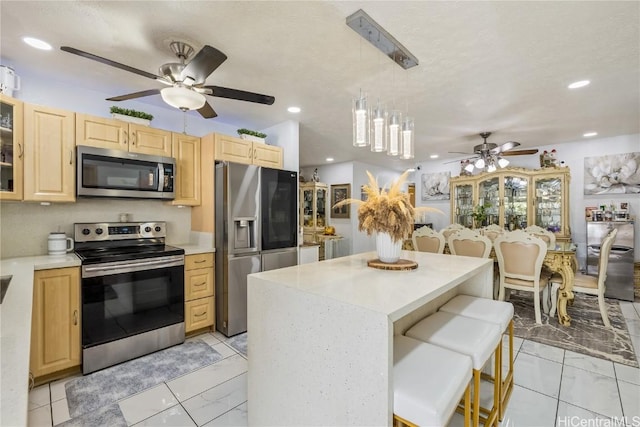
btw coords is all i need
(427, 240)
(470, 243)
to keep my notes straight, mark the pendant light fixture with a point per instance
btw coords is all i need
(406, 147)
(395, 124)
(379, 128)
(360, 117)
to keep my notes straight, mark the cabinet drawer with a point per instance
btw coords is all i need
(192, 262)
(198, 283)
(198, 314)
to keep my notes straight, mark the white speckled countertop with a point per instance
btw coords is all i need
(15, 332)
(190, 249)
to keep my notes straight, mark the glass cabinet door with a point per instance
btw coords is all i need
(321, 206)
(307, 207)
(11, 149)
(463, 204)
(515, 202)
(489, 199)
(549, 204)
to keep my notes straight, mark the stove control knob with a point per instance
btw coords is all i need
(158, 229)
(99, 231)
(86, 231)
(147, 229)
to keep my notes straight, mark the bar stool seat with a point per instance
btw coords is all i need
(428, 382)
(497, 312)
(474, 338)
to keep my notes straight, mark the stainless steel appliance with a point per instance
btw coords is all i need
(132, 291)
(619, 281)
(113, 173)
(256, 230)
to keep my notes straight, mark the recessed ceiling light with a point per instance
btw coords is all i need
(588, 134)
(329, 159)
(581, 83)
(37, 43)
(433, 156)
(293, 109)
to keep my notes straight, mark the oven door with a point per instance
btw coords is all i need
(121, 299)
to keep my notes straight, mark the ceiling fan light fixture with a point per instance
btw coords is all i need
(469, 167)
(182, 98)
(502, 162)
(479, 163)
(491, 168)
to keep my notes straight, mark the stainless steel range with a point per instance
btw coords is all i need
(132, 291)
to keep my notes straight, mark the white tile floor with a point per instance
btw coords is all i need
(553, 387)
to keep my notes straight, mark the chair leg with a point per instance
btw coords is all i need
(603, 310)
(501, 292)
(554, 299)
(545, 299)
(536, 305)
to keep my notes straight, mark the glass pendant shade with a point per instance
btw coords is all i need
(182, 98)
(469, 167)
(395, 125)
(378, 129)
(491, 167)
(502, 162)
(406, 144)
(479, 163)
(361, 129)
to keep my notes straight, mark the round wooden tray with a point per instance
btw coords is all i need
(402, 264)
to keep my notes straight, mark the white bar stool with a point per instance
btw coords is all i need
(497, 312)
(475, 338)
(428, 383)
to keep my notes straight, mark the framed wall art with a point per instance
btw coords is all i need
(435, 186)
(612, 174)
(340, 192)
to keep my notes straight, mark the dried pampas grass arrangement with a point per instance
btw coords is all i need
(386, 211)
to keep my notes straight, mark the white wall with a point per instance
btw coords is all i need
(25, 227)
(287, 136)
(572, 154)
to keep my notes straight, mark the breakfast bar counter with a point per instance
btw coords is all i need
(320, 335)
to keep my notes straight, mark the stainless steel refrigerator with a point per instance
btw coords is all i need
(255, 230)
(619, 281)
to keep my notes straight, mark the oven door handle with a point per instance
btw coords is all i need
(128, 267)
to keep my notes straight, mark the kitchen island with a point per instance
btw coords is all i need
(320, 335)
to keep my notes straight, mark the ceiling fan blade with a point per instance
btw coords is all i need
(109, 62)
(459, 152)
(204, 63)
(135, 95)
(207, 111)
(224, 92)
(518, 152)
(504, 147)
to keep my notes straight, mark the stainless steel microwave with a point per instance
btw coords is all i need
(113, 173)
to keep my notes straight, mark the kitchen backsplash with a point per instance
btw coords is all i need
(25, 227)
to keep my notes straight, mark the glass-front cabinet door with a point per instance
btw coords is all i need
(515, 213)
(306, 202)
(462, 208)
(488, 206)
(313, 209)
(321, 206)
(551, 203)
(11, 148)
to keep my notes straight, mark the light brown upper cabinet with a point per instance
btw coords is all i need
(11, 148)
(49, 158)
(251, 153)
(186, 150)
(118, 135)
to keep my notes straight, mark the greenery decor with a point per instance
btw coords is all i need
(386, 211)
(252, 133)
(479, 213)
(131, 113)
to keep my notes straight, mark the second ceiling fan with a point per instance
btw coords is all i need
(487, 154)
(185, 80)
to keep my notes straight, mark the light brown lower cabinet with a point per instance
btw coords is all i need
(198, 292)
(55, 327)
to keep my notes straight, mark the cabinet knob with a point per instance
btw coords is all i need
(75, 317)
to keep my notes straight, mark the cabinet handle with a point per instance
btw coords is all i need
(199, 261)
(70, 157)
(133, 139)
(125, 140)
(255, 154)
(250, 153)
(200, 315)
(75, 317)
(200, 284)
(21, 151)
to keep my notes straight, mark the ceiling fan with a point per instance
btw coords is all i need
(487, 154)
(185, 80)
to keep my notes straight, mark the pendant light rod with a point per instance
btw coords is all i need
(370, 30)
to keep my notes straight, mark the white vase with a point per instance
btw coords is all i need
(388, 250)
(131, 119)
(252, 138)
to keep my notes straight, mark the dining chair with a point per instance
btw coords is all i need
(541, 233)
(492, 231)
(520, 256)
(427, 240)
(592, 285)
(469, 242)
(451, 229)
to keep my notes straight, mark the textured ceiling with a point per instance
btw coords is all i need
(484, 66)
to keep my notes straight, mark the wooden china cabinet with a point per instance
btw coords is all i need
(313, 210)
(514, 198)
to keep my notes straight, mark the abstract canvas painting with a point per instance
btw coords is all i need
(435, 186)
(612, 174)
